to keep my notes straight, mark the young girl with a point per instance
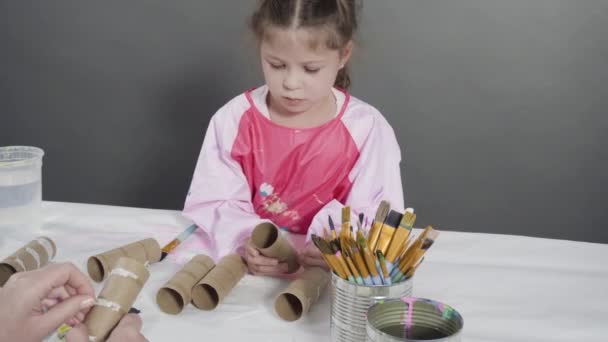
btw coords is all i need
(297, 149)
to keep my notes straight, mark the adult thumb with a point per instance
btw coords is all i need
(63, 311)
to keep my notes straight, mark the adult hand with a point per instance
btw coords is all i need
(127, 330)
(36, 303)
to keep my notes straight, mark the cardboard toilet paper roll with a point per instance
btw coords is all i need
(301, 294)
(218, 283)
(176, 294)
(34, 255)
(144, 251)
(268, 240)
(125, 281)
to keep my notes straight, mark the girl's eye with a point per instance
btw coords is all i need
(277, 66)
(312, 70)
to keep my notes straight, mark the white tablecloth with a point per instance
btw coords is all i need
(507, 288)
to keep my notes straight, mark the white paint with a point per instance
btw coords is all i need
(121, 272)
(108, 304)
(48, 247)
(35, 255)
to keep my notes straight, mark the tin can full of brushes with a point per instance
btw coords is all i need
(350, 303)
(413, 319)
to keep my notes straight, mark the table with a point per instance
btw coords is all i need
(507, 288)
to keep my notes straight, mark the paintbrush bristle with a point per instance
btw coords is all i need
(315, 239)
(321, 244)
(343, 242)
(429, 239)
(408, 219)
(393, 219)
(426, 243)
(331, 223)
(345, 214)
(362, 242)
(383, 210)
(335, 246)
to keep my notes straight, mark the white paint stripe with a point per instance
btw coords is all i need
(124, 273)
(48, 247)
(20, 263)
(35, 255)
(108, 304)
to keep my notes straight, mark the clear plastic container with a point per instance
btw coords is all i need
(20, 187)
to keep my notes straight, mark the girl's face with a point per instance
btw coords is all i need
(299, 77)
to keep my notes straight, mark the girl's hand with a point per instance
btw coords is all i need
(311, 256)
(262, 265)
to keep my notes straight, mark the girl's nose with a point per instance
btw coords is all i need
(291, 81)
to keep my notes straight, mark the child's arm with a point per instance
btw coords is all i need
(375, 177)
(219, 200)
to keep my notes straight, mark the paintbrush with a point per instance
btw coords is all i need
(327, 254)
(410, 248)
(414, 248)
(403, 249)
(351, 265)
(388, 229)
(344, 266)
(400, 237)
(409, 253)
(414, 254)
(359, 225)
(332, 227)
(359, 236)
(374, 232)
(175, 242)
(326, 235)
(386, 277)
(336, 250)
(345, 222)
(398, 277)
(412, 270)
(360, 262)
(321, 244)
(369, 261)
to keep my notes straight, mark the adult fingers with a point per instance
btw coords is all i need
(62, 313)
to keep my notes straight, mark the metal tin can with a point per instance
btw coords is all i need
(413, 319)
(350, 303)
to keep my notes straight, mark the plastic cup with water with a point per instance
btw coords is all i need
(20, 187)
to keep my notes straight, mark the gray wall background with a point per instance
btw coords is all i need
(499, 105)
